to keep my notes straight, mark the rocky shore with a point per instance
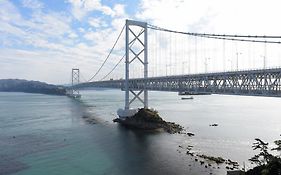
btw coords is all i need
(207, 160)
(148, 119)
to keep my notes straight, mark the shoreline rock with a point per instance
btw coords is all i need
(207, 160)
(148, 119)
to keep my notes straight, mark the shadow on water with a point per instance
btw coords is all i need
(10, 165)
(137, 153)
(84, 110)
(130, 149)
(134, 151)
(88, 149)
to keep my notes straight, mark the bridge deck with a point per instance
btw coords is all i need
(263, 82)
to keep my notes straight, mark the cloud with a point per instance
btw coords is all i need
(42, 30)
(97, 22)
(72, 35)
(51, 24)
(252, 17)
(176, 14)
(82, 34)
(33, 43)
(11, 29)
(239, 16)
(119, 10)
(8, 12)
(33, 4)
(81, 30)
(80, 8)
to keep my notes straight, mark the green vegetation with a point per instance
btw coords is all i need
(267, 164)
(148, 115)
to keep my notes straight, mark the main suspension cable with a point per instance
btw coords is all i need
(108, 55)
(113, 68)
(224, 36)
(119, 60)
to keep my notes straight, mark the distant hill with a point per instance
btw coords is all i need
(18, 85)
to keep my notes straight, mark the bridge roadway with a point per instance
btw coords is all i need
(260, 82)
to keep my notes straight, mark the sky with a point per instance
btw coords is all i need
(44, 39)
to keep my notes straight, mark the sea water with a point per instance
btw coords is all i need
(45, 134)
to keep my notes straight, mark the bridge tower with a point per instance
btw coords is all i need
(132, 54)
(75, 80)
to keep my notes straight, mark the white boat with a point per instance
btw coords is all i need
(76, 96)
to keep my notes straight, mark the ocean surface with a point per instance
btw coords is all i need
(45, 134)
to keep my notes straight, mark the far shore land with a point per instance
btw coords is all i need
(19, 85)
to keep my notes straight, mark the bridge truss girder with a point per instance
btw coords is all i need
(265, 82)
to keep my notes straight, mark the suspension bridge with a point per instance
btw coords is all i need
(177, 69)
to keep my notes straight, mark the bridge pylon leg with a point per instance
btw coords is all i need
(140, 55)
(75, 80)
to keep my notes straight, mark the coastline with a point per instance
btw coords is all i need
(20, 85)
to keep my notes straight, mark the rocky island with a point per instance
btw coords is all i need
(19, 85)
(149, 119)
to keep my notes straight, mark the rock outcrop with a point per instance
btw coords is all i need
(148, 119)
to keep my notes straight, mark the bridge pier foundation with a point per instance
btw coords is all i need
(123, 113)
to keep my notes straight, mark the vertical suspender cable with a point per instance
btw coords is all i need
(223, 55)
(111, 50)
(170, 57)
(265, 56)
(195, 54)
(188, 54)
